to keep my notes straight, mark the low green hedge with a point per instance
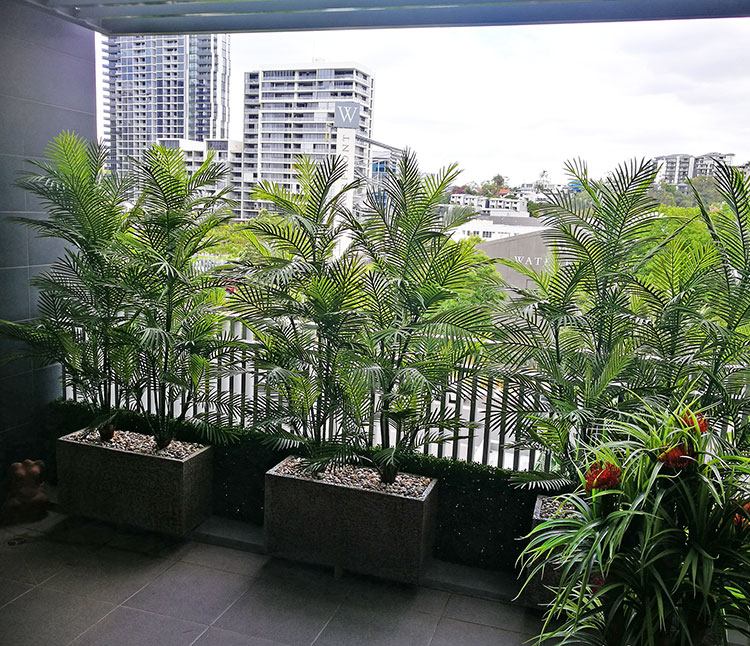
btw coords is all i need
(481, 515)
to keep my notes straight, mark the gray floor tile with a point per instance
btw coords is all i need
(190, 592)
(218, 637)
(130, 627)
(293, 614)
(492, 613)
(386, 596)
(451, 632)
(373, 627)
(223, 558)
(35, 560)
(108, 575)
(81, 531)
(157, 545)
(9, 590)
(44, 617)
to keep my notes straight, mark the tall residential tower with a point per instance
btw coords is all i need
(165, 87)
(319, 110)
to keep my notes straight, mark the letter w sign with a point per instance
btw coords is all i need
(346, 115)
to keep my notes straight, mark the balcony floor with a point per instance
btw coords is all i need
(70, 581)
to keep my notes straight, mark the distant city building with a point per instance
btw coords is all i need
(495, 227)
(491, 205)
(528, 249)
(164, 87)
(497, 217)
(678, 168)
(227, 151)
(316, 110)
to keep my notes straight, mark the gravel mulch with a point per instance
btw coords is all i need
(551, 507)
(137, 443)
(360, 477)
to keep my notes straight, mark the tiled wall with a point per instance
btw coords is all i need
(47, 85)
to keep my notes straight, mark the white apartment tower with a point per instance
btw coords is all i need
(291, 111)
(164, 87)
(226, 151)
(678, 168)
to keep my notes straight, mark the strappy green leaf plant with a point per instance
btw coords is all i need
(654, 548)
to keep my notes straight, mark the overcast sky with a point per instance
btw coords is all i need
(519, 100)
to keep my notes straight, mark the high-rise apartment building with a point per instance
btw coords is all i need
(677, 169)
(165, 87)
(313, 110)
(226, 151)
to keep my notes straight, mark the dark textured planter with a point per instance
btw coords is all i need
(537, 592)
(153, 493)
(359, 530)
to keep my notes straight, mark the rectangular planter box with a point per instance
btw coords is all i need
(150, 492)
(359, 530)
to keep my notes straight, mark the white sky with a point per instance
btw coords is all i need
(519, 100)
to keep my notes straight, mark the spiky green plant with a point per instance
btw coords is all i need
(177, 342)
(81, 297)
(302, 296)
(417, 349)
(571, 337)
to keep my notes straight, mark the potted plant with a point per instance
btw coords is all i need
(658, 545)
(311, 302)
(163, 337)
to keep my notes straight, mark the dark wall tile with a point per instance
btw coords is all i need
(12, 198)
(35, 270)
(45, 122)
(14, 242)
(11, 347)
(29, 71)
(43, 250)
(14, 293)
(15, 400)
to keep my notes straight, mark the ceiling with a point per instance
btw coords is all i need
(120, 17)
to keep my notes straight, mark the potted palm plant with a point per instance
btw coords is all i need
(167, 342)
(312, 304)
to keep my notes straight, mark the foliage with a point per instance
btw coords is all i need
(302, 302)
(416, 349)
(81, 298)
(488, 188)
(570, 337)
(484, 287)
(659, 554)
(638, 302)
(176, 340)
(670, 195)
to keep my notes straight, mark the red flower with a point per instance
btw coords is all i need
(606, 476)
(689, 422)
(680, 457)
(741, 519)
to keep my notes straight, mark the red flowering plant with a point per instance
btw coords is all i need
(665, 561)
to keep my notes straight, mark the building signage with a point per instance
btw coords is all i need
(346, 115)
